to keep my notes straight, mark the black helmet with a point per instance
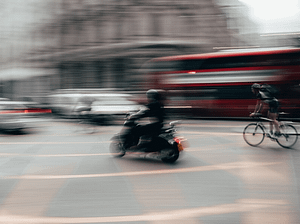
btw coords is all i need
(153, 94)
(255, 86)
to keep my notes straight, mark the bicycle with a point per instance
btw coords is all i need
(85, 123)
(255, 133)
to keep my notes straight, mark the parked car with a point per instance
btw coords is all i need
(13, 116)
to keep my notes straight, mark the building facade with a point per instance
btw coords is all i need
(103, 44)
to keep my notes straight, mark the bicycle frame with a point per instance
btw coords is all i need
(280, 123)
(254, 133)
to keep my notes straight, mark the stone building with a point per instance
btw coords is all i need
(103, 44)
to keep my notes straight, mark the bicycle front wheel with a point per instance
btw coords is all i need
(254, 134)
(289, 136)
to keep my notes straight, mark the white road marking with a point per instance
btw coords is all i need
(53, 155)
(242, 205)
(226, 166)
(50, 143)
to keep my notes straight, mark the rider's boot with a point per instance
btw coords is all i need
(142, 146)
(136, 148)
(270, 134)
(277, 134)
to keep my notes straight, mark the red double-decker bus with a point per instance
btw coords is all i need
(219, 84)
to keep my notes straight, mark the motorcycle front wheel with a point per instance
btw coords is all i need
(169, 155)
(116, 147)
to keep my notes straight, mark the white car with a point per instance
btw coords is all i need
(103, 107)
(111, 107)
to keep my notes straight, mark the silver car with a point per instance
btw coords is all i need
(14, 116)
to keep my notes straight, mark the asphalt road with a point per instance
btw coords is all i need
(60, 173)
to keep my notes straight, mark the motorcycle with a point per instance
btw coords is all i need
(163, 145)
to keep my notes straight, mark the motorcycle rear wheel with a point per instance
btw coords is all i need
(116, 148)
(169, 155)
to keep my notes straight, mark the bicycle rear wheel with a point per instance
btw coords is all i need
(289, 136)
(253, 134)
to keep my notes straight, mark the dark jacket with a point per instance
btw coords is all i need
(154, 110)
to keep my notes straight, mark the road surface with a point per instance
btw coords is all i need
(61, 173)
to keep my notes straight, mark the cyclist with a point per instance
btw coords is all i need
(83, 110)
(267, 98)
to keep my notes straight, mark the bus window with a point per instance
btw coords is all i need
(229, 62)
(286, 59)
(235, 92)
(191, 64)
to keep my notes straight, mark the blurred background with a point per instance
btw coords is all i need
(78, 44)
(91, 61)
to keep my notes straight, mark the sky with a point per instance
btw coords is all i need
(275, 15)
(272, 15)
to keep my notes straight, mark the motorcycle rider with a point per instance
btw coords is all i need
(154, 110)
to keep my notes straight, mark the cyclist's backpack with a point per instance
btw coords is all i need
(272, 90)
